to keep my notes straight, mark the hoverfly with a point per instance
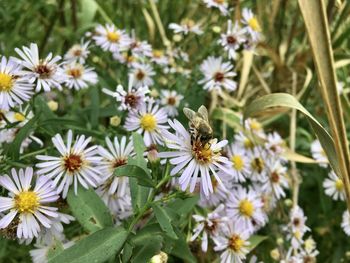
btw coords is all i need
(199, 126)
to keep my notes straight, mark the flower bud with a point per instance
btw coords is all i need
(275, 254)
(177, 38)
(53, 105)
(160, 258)
(216, 29)
(115, 121)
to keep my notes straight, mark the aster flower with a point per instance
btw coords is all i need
(14, 88)
(149, 120)
(27, 206)
(277, 179)
(334, 187)
(217, 75)
(139, 48)
(192, 160)
(258, 165)
(208, 226)
(255, 127)
(245, 207)
(345, 224)
(252, 24)
(186, 26)
(232, 40)
(116, 156)
(274, 143)
(78, 53)
(46, 73)
(142, 75)
(243, 141)
(75, 165)
(318, 154)
(239, 163)
(233, 242)
(78, 76)
(297, 227)
(125, 58)
(110, 38)
(132, 99)
(220, 192)
(159, 57)
(170, 99)
(222, 5)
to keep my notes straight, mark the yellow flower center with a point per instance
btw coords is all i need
(248, 144)
(255, 125)
(6, 83)
(157, 53)
(297, 234)
(27, 202)
(237, 162)
(113, 37)
(254, 24)
(148, 122)
(235, 243)
(258, 164)
(203, 154)
(19, 117)
(246, 208)
(220, 2)
(339, 185)
(76, 71)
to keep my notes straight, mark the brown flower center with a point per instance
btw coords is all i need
(73, 163)
(171, 101)
(140, 75)
(44, 71)
(231, 40)
(131, 100)
(275, 178)
(219, 76)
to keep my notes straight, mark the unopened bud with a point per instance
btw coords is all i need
(115, 121)
(53, 105)
(177, 38)
(160, 258)
(154, 93)
(288, 202)
(216, 29)
(275, 254)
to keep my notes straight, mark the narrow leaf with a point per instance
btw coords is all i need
(255, 241)
(98, 247)
(164, 220)
(89, 209)
(142, 175)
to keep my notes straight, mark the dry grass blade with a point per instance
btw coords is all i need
(247, 64)
(316, 23)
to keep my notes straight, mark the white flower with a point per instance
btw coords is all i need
(245, 207)
(217, 75)
(27, 203)
(139, 48)
(186, 26)
(149, 120)
(116, 156)
(334, 187)
(208, 225)
(318, 153)
(110, 38)
(277, 179)
(159, 57)
(14, 88)
(75, 165)
(170, 99)
(345, 224)
(133, 98)
(222, 5)
(194, 160)
(258, 164)
(252, 24)
(239, 163)
(142, 75)
(78, 76)
(45, 72)
(78, 53)
(274, 143)
(233, 39)
(125, 58)
(296, 227)
(233, 242)
(220, 192)
(255, 127)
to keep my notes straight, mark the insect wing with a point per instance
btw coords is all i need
(190, 114)
(203, 113)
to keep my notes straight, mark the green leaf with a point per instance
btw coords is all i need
(94, 108)
(255, 240)
(139, 193)
(261, 105)
(23, 133)
(146, 251)
(184, 206)
(127, 252)
(55, 249)
(88, 12)
(89, 209)
(164, 220)
(142, 175)
(98, 247)
(181, 249)
(228, 116)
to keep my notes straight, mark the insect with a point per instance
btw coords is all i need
(199, 126)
